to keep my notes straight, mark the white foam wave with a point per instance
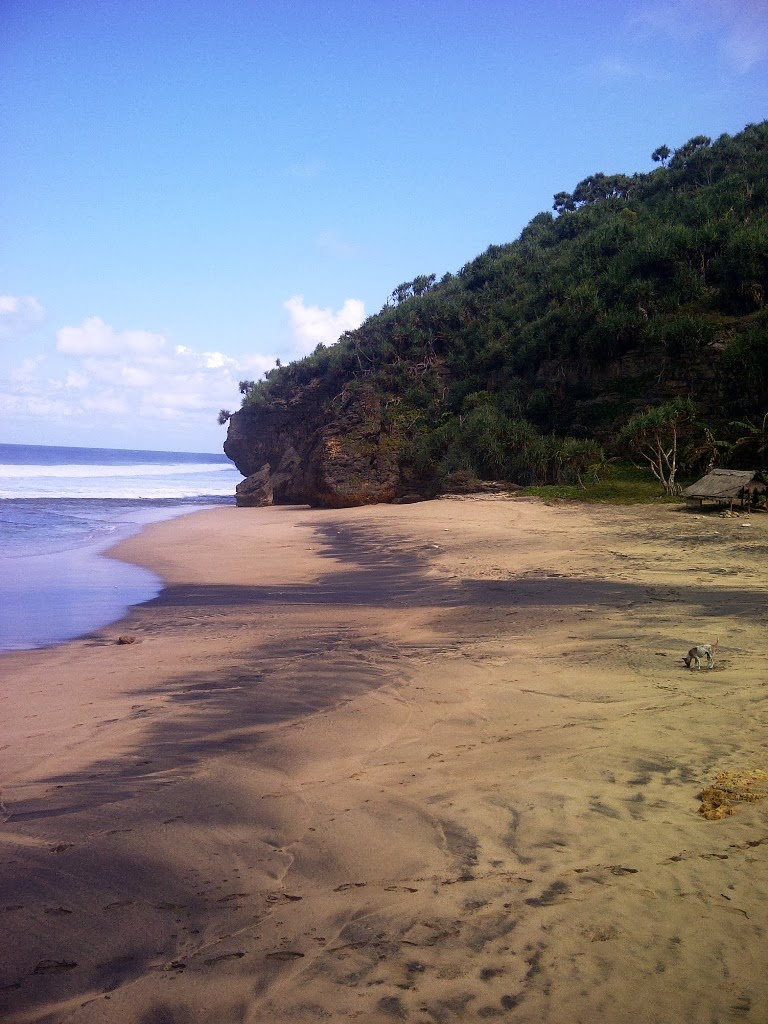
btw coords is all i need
(121, 482)
(10, 472)
(107, 489)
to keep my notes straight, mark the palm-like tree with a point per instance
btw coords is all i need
(753, 441)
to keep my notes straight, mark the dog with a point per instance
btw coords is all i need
(701, 651)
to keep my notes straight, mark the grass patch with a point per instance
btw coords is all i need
(619, 484)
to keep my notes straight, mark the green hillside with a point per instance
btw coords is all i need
(528, 361)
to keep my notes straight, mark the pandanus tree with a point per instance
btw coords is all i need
(661, 155)
(655, 435)
(752, 442)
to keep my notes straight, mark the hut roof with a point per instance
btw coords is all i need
(725, 483)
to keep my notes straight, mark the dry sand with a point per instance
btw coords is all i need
(429, 763)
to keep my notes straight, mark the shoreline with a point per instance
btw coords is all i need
(70, 587)
(426, 762)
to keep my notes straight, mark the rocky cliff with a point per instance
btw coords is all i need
(314, 449)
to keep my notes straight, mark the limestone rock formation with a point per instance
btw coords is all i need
(256, 490)
(315, 449)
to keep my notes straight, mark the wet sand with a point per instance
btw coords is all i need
(427, 763)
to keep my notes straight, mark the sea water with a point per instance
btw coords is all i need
(61, 508)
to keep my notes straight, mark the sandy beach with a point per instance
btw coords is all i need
(427, 763)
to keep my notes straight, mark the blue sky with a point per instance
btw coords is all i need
(190, 190)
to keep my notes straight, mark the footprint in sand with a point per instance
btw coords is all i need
(232, 897)
(393, 1007)
(548, 897)
(281, 897)
(212, 961)
(175, 965)
(54, 966)
(490, 972)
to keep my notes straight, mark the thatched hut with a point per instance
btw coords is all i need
(725, 486)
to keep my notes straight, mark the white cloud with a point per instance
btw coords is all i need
(217, 360)
(94, 337)
(746, 42)
(101, 376)
(739, 28)
(18, 313)
(255, 363)
(137, 377)
(132, 375)
(28, 370)
(77, 380)
(21, 404)
(313, 324)
(107, 404)
(179, 395)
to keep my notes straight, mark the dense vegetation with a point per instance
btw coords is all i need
(529, 362)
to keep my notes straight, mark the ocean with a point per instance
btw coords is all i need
(61, 508)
